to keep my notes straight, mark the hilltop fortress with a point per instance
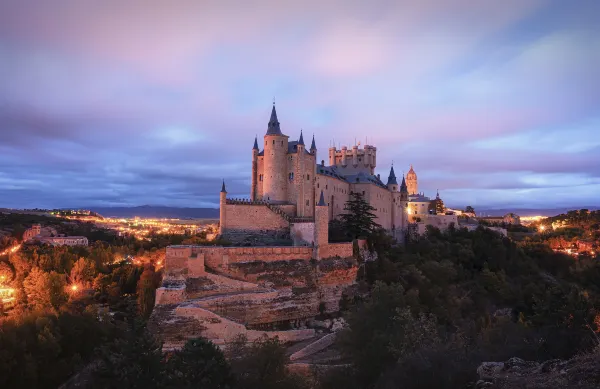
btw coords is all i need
(288, 186)
(281, 277)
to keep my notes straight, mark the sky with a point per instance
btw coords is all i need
(114, 103)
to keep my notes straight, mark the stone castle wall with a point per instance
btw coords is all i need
(191, 260)
(336, 193)
(252, 218)
(303, 234)
(342, 250)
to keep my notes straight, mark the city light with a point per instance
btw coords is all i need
(10, 250)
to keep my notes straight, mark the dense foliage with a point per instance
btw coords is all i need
(426, 315)
(449, 301)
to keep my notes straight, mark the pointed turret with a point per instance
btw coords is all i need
(392, 177)
(322, 200)
(223, 187)
(273, 128)
(301, 140)
(255, 143)
(313, 146)
(403, 187)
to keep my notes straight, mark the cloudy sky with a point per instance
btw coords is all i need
(495, 103)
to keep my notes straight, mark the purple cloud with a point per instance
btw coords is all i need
(156, 102)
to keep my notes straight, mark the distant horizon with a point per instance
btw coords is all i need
(492, 211)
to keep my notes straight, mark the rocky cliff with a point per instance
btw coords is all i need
(581, 372)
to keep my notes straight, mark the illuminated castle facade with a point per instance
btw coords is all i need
(287, 179)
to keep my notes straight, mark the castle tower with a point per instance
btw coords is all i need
(332, 156)
(392, 184)
(411, 181)
(253, 187)
(222, 203)
(321, 237)
(275, 162)
(313, 147)
(402, 227)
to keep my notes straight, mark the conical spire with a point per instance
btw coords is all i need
(403, 187)
(223, 187)
(301, 140)
(392, 177)
(322, 200)
(273, 128)
(313, 146)
(255, 143)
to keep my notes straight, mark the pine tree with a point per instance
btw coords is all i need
(146, 290)
(359, 219)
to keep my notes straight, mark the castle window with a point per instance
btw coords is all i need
(260, 177)
(307, 203)
(273, 141)
(363, 192)
(326, 186)
(282, 143)
(308, 177)
(317, 186)
(291, 176)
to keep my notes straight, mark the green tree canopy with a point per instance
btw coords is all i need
(358, 220)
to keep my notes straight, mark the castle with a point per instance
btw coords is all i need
(261, 286)
(288, 185)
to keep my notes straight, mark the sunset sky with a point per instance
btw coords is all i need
(495, 103)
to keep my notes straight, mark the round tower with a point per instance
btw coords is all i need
(275, 163)
(253, 187)
(332, 156)
(411, 181)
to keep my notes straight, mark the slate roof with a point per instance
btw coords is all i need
(362, 178)
(329, 171)
(392, 177)
(273, 127)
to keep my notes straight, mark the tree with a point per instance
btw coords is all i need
(469, 209)
(130, 362)
(383, 330)
(45, 290)
(6, 273)
(146, 289)
(262, 364)
(83, 272)
(359, 219)
(199, 364)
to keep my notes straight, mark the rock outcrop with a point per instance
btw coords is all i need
(581, 372)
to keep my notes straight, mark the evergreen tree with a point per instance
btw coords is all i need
(359, 219)
(199, 364)
(146, 289)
